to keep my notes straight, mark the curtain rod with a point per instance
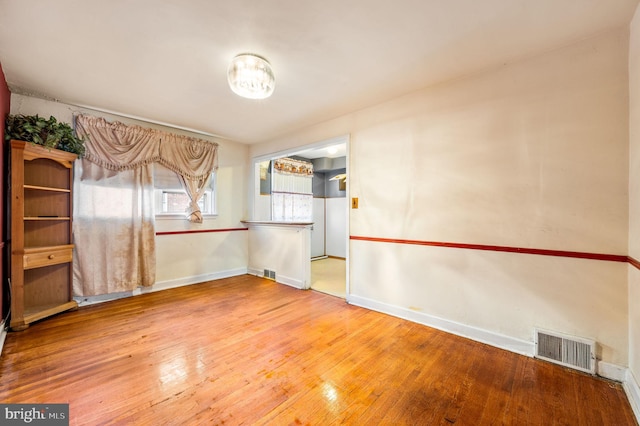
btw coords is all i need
(146, 120)
(20, 91)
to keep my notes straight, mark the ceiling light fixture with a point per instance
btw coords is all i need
(251, 76)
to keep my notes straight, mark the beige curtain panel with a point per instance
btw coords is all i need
(113, 230)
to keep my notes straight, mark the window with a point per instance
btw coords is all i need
(292, 190)
(171, 200)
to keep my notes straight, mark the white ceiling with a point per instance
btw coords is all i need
(166, 60)
(334, 150)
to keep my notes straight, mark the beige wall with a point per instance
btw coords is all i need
(634, 196)
(283, 249)
(185, 258)
(532, 154)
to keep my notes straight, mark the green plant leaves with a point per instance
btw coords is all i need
(49, 133)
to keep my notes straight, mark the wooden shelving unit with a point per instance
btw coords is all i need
(41, 242)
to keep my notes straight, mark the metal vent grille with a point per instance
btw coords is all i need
(570, 351)
(270, 274)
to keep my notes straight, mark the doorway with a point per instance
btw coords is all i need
(328, 275)
(329, 235)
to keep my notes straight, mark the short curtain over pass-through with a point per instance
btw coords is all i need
(114, 224)
(292, 193)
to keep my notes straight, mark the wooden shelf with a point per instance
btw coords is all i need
(48, 218)
(35, 313)
(42, 249)
(46, 188)
(41, 225)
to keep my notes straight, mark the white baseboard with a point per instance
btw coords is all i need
(254, 271)
(280, 279)
(612, 371)
(196, 279)
(3, 335)
(490, 338)
(632, 390)
(290, 282)
(160, 285)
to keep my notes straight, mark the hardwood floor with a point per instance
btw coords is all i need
(246, 350)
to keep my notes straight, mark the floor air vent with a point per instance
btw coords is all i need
(570, 351)
(269, 274)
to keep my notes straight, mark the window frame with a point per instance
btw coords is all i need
(211, 192)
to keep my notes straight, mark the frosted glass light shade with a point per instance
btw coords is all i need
(251, 76)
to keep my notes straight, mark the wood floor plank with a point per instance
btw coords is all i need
(245, 350)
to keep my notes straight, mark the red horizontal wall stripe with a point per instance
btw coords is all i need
(200, 231)
(633, 262)
(544, 252)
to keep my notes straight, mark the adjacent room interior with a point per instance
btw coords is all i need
(428, 213)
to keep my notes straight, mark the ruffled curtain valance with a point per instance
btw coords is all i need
(117, 146)
(294, 167)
